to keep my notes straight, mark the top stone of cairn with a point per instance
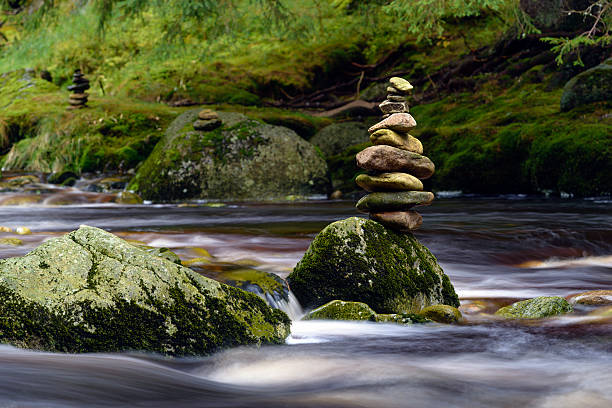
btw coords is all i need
(401, 85)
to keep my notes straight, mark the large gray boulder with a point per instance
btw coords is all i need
(592, 85)
(336, 138)
(241, 160)
(90, 291)
(360, 260)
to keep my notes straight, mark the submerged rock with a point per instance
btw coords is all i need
(536, 308)
(402, 318)
(243, 159)
(592, 298)
(90, 291)
(360, 260)
(441, 313)
(341, 310)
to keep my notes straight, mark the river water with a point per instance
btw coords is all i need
(495, 250)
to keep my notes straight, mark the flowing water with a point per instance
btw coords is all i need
(495, 250)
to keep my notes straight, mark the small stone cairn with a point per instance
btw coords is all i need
(207, 120)
(395, 164)
(80, 84)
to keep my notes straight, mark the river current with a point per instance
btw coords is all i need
(495, 250)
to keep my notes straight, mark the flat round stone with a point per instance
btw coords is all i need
(393, 107)
(78, 96)
(77, 102)
(401, 84)
(400, 122)
(399, 220)
(394, 201)
(206, 125)
(389, 182)
(394, 91)
(396, 98)
(208, 114)
(391, 159)
(401, 141)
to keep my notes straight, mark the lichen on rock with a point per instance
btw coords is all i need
(90, 291)
(341, 310)
(536, 308)
(360, 260)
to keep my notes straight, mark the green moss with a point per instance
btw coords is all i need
(536, 308)
(402, 318)
(340, 310)
(441, 313)
(360, 260)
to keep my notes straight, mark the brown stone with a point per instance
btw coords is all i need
(401, 141)
(592, 298)
(78, 96)
(207, 114)
(394, 201)
(399, 220)
(399, 122)
(389, 107)
(389, 182)
(391, 159)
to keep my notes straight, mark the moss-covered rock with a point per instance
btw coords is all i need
(592, 85)
(536, 308)
(90, 291)
(336, 138)
(341, 310)
(401, 318)
(360, 260)
(441, 313)
(243, 159)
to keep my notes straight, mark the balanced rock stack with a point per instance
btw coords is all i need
(395, 164)
(207, 120)
(80, 84)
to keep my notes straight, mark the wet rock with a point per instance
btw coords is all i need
(399, 220)
(61, 178)
(401, 318)
(389, 182)
(23, 199)
(592, 298)
(5, 229)
(243, 159)
(341, 310)
(11, 241)
(394, 201)
(336, 138)
(360, 260)
(392, 159)
(442, 313)
(128, 198)
(399, 122)
(592, 85)
(394, 139)
(90, 291)
(536, 308)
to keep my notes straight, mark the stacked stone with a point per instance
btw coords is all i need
(80, 84)
(395, 164)
(207, 120)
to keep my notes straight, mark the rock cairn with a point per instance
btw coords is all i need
(395, 164)
(207, 120)
(80, 84)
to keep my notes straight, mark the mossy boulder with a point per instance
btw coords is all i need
(592, 85)
(336, 138)
(360, 260)
(341, 310)
(90, 291)
(401, 318)
(242, 160)
(441, 313)
(536, 308)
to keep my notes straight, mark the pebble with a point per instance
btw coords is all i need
(399, 220)
(401, 84)
(389, 182)
(396, 98)
(394, 91)
(5, 229)
(390, 107)
(22, 231)
(400, 122)
(208, 114)
(394, 139)
(394, 201)
(391, 159)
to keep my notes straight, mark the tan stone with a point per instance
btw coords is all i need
(399, 220)
(401, 141)
(401, 84)
(389, 182)
(391, 159)
(207, 114)
(393, 90)
(593, 297)
(399, 122)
